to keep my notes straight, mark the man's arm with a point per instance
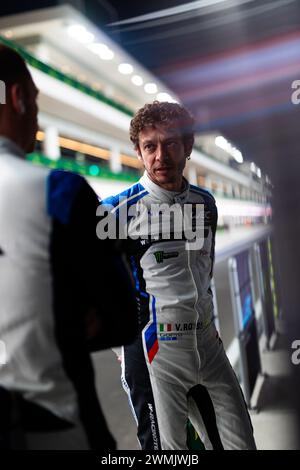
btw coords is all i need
(86, 277)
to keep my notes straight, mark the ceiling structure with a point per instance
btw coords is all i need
(232, 62)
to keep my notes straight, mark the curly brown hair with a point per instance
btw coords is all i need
(162, 113)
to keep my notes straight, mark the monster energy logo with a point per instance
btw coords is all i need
(161, 255)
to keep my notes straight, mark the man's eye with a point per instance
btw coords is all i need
(148, 147)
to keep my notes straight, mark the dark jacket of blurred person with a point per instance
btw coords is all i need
(51, 269)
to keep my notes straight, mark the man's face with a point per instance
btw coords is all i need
(163, 153)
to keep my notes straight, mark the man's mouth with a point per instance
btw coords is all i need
(163, 168)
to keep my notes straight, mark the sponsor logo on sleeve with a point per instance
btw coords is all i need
(161, 255)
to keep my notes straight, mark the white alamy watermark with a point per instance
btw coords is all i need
(3, 354)
(295, 98)
(295, 358)
(154, 222)
(2, 92)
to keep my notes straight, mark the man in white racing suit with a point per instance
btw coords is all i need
(177, 367)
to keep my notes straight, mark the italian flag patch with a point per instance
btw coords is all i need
(163, 327)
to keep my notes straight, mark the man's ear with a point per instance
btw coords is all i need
(18, 98)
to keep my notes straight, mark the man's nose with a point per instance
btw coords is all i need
(161, 153)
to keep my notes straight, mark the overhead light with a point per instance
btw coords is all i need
(223, 143)
(97, 47)
(150, 88)
(102, 50)
(107, 54)
(165, 97)
(237, 155)
(126, 69)
(137, 80)
(255, 169)
(80, 34)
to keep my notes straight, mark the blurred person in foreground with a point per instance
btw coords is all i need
(51, 267)
(177, 367)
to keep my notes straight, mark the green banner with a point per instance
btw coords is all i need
(91, 170)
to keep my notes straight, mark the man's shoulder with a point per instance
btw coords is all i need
(63, 188)
(129, 196)
(66, 180)
(204, 193)
(19, 176)
(21, 167)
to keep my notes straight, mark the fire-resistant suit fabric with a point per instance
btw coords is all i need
(178, 363)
